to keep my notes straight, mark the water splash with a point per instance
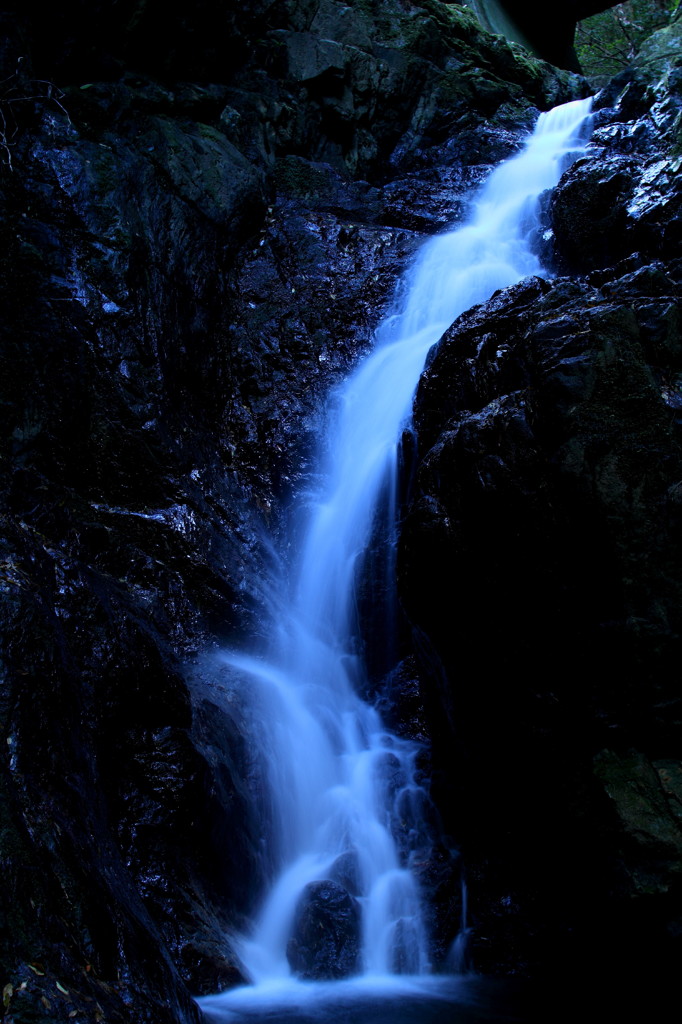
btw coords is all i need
(340, 782)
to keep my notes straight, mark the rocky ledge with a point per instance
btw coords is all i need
(541, 567)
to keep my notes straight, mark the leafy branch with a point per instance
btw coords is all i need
(609, 41)
(15, 93)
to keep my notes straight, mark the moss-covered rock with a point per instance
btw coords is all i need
(659, 55)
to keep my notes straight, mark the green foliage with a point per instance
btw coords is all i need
(607, 42)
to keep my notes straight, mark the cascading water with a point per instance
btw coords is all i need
(339, 781)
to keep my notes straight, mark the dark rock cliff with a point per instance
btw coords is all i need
(203, 216)
(541, 559)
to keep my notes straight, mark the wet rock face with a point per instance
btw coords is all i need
(325, 942)
(199, 232)
(204, 215)
(624, 196)
(540, 555)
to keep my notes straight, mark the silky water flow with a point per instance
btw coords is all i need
(343, 790)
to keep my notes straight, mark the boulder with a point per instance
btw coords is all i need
(325, 942)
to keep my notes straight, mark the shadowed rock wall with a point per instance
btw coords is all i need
(541, 559)
(203, 216)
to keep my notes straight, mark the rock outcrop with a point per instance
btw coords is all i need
(541, 560)
(325, 943)
(203, 216)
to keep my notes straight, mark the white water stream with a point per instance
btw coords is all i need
(340, 782)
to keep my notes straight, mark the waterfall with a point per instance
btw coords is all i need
(344, 793)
